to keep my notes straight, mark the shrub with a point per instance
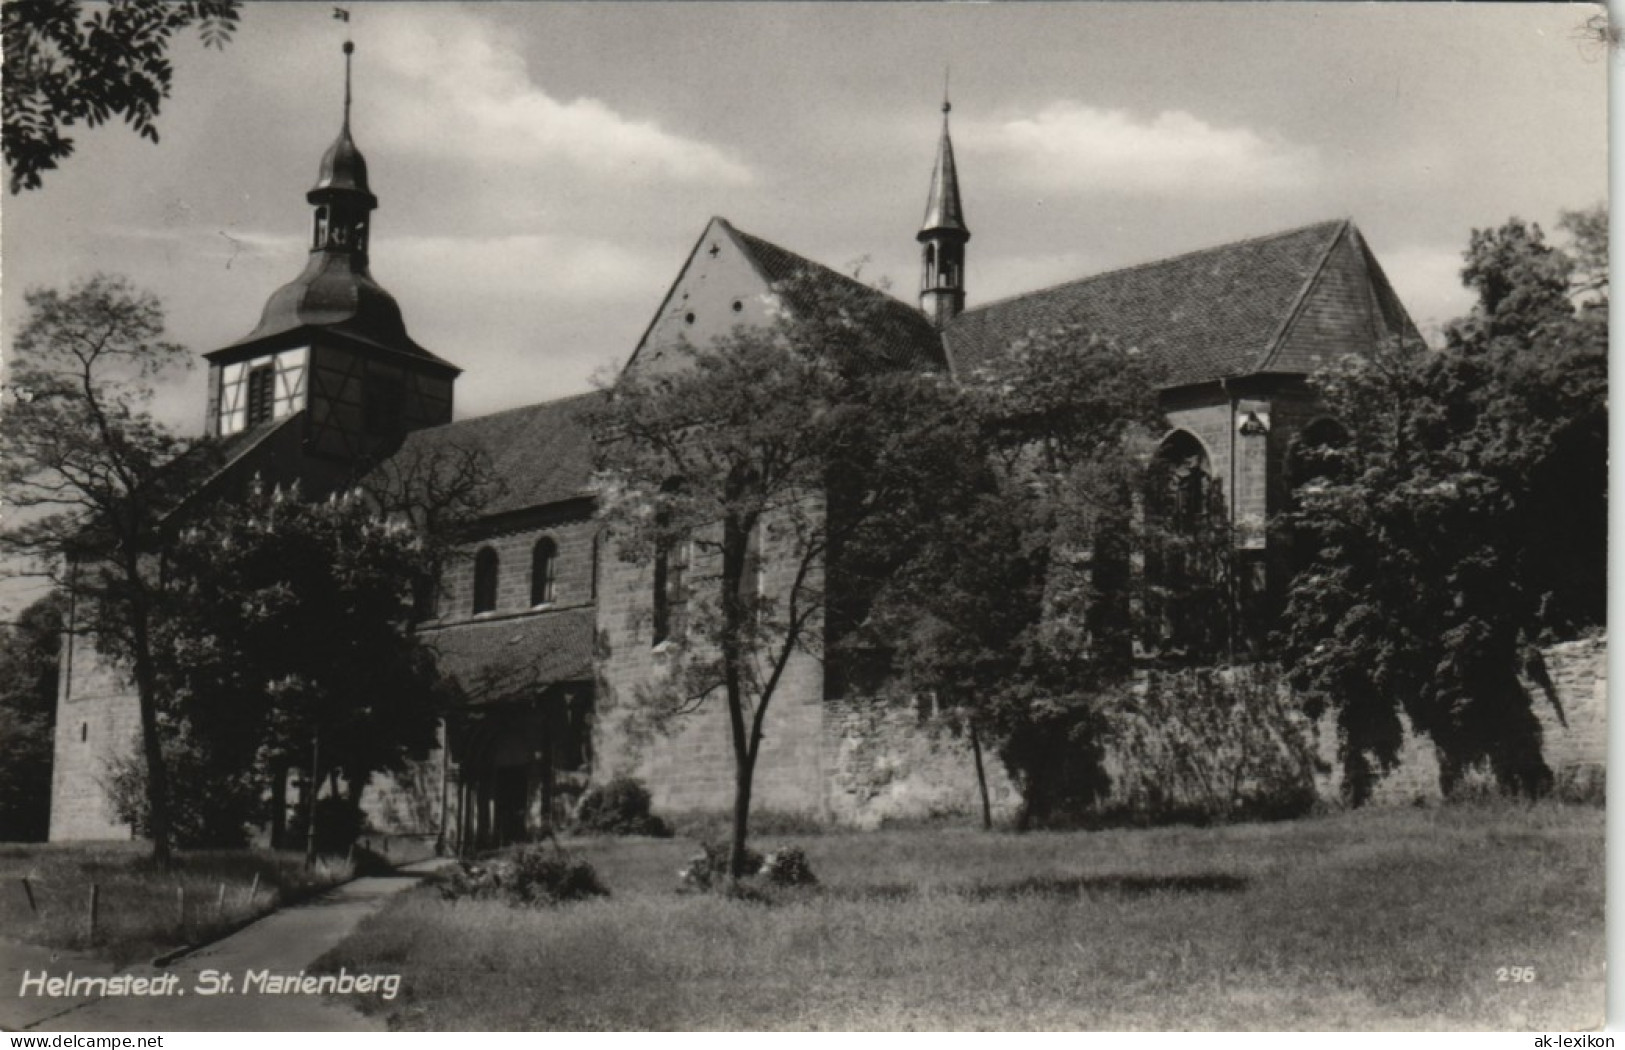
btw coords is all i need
(619, 807)
(709, 870)
(211, 803)
(338, 825)
(1208, 745)
(531, 877)
(787, 866)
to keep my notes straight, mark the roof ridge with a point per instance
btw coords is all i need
(512, 411)
(1280, 235)
(1272, 348)
(751, 240)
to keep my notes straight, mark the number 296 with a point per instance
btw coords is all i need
(1515, 974)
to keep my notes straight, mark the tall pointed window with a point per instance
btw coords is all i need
(1187, 540)
(485, 580)
(670, 590)
(544, 560)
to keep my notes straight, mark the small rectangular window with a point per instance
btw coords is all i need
(261, 394)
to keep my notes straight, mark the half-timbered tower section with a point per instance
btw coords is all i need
(331, 356)
(325, 383)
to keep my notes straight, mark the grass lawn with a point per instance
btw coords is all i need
(139, 907)
(1379, 919)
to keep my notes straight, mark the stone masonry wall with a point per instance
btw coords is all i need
(97, 721)
(1575, 744)
(572, 530)
(885, 764)
(691, 768)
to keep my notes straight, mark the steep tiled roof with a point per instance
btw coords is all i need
(221, 459)
(1204, 315)
(515, 657)
(906, 337)
(542, 453)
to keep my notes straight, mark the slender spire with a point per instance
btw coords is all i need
(942, 208)
(349, 49)
(943, 235)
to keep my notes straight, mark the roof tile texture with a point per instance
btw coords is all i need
(1205, 315)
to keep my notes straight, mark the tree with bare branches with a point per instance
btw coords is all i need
(95, 474)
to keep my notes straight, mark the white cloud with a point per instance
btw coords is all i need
(522, 268)
(1069, 146)
(461, 91)
(1427, 280)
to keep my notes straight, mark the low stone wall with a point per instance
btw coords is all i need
(887, 763)
(1574, 734)
(1576, 738)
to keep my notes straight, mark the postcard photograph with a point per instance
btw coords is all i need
(804, 516)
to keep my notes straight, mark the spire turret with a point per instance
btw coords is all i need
(943, 235)
(336, 286)
(341, 195)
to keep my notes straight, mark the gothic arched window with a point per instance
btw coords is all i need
(1186, 543)
(670, 590)
(670, 597)
(485, 580)
(544, 560)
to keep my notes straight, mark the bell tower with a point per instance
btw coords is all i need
(942, 237)
(331, 356)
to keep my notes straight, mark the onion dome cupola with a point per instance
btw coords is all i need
(341, 196)
(942, 236)
(332, 340)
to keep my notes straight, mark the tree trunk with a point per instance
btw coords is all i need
(981, 779)
(279, 805)
(744, 773)
(315, 781)
(735, 545)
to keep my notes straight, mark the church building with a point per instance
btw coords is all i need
(548, 633)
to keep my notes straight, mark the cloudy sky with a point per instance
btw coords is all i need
(544, 169)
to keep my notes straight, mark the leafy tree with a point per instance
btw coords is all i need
(28, 683)
(216, 800)
(288, 640)
(69, 63)
(1017, 610)
(784, 454)
(1462, 523)
(96, 475)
